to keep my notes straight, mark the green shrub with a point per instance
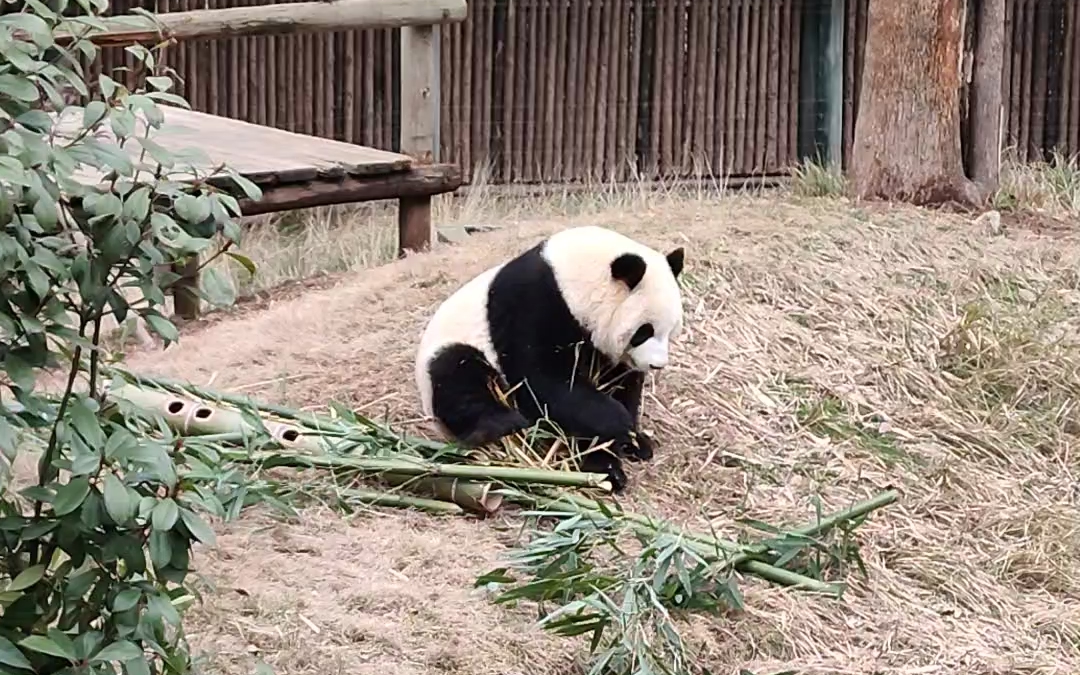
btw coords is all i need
(97, 547)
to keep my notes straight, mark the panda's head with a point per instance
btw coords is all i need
(650, 316)
(625, 294)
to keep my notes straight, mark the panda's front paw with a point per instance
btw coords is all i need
(639, 449)
(601, 461)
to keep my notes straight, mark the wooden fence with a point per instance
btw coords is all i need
(568, 90)
(1042, 77)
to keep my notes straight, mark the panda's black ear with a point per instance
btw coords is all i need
(675, 260)
(628, 268)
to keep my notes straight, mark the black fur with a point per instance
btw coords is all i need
(675, 260)
(461, 397)
(628, 268)
(546, 358)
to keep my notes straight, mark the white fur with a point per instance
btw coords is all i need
(581, 258)
(461, 318)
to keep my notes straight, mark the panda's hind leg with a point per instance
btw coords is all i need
(462, 398)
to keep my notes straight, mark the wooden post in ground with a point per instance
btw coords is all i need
(186, 290)
(419, 128)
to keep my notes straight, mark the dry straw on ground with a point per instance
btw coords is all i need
(829, 351)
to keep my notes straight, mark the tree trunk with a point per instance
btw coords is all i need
(986, 96)
(907, 135)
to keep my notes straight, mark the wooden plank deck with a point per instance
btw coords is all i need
(265, 155)
(292, 170)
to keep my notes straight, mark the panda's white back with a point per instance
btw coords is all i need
(461, 318)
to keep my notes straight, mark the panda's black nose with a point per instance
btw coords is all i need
(656, 367)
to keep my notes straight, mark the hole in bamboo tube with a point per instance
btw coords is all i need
(175, 407)
(290, 435)
(203, 413)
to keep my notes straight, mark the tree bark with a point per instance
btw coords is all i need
(986, 96)
(907, 135)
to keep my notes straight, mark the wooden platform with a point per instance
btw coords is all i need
(292, 170)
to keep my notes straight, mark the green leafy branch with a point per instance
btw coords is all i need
(96, 547)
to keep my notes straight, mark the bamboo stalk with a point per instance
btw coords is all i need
(478, 497)
(470, 495)
(855, 511)
(321, 424)
(417, 467)
(812, 530)
(403, 501)
(190, 416)
(457, 487)
(706, 549)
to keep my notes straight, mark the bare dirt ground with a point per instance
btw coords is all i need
(829, 351)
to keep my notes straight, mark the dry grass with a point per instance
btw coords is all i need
(1052, 186)
(313, 242)
(830, 351)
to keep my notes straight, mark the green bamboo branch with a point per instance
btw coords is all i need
(418, 467)
(751, 559)
(400, 500)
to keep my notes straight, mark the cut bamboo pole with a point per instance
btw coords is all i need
(190, 416)
(470, 495)
(403, 501)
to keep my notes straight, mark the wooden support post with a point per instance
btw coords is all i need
(420, 93)
(419, 128)
(414, 224)
(185, 291)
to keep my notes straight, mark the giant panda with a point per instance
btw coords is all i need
(535, 325)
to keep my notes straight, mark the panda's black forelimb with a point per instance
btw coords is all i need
(627, 391)
(462, 398)
(602, 461)
(577, 408)
(589, 417)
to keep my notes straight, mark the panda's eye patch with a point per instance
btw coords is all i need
(641, 335)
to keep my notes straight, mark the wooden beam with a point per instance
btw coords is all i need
(419, 182)
(299, 17)
(420, 93)
(413, 188)
(420, 85)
